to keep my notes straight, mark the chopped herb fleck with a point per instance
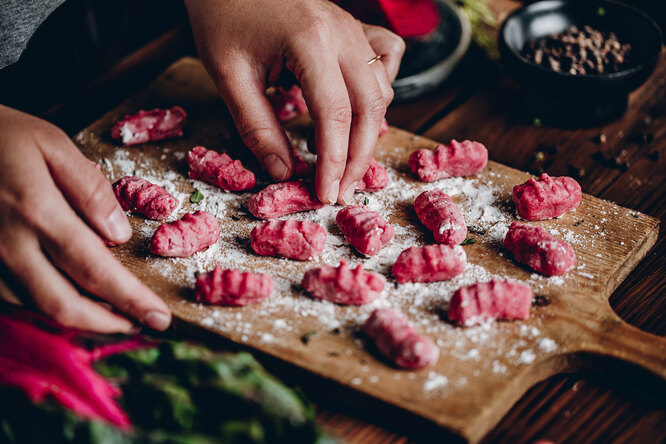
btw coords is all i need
(475, 229)
(307, 336)
(196, 273)
(366, 201)
(539, 156)
(469, 241)
(601, 11)
(634, 215)
(196, 197)
(579, 222)
(537, 122)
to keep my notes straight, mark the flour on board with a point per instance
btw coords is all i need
(290, 313)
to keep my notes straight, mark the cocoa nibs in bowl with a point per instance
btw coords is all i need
(579, 51)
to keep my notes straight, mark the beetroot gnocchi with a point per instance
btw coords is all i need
(546, 197)
(343, 285)
(231, 287)
(539, 250)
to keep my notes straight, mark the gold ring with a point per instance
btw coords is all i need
(374, 59)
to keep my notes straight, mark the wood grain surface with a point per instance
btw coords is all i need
(577, 316)
(584, 407)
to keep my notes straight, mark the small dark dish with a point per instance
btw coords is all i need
(571, 100)
(426, 64)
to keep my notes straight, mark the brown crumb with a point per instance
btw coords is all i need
(541, 301)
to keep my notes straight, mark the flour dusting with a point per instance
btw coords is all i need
(288, 313)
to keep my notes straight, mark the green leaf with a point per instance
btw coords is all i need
(366, 201)
(469, 241)
(175, 393)
(196, 197)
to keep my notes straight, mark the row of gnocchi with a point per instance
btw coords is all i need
(367, 232)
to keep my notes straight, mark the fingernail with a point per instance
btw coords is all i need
(333, 192)
(118, 225)
(157, 320)
(276, 167)
(349, 193)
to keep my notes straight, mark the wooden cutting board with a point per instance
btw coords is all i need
(482, 370)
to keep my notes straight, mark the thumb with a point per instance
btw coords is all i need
(86, 189)
(244, 94)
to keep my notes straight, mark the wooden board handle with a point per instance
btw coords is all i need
(626, 343)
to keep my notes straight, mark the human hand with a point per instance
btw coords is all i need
(244, 45)
(52, 198)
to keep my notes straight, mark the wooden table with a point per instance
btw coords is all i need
(480, 102)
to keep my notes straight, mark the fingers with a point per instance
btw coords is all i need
(387, 44)
(53, 295)
(85, 259)
(381, 75)
(368, 106)
(244, 94)
(86, 189)
(327, 98)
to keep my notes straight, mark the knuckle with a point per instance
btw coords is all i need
(92, 276)
(388, 95)
(396, 45)
(339, 115)
(258, 139)
(49, 133)
(61, 312)
(374, 105)
(336, 158)
(315, 32)
(361, 158)
(224, 71)
(34, 213)
(131, 306)
(348, 21)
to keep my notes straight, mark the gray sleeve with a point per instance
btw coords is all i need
(19, 19)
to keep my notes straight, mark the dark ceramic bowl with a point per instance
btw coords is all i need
(564, 99)
(426, 64)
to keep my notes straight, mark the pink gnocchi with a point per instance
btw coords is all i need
(440, 214)
(455, 159)
(398, 341)
(289, 238)
(150, 126)
(184, 237)
(431, 263)
(540, 250)
(366, 230)
(546, 197)
(343, 285)
(219, 169)
(375, 178)
(280, 199)
(484, 301)
(287, 103)
(231, 287)
(140, 196)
